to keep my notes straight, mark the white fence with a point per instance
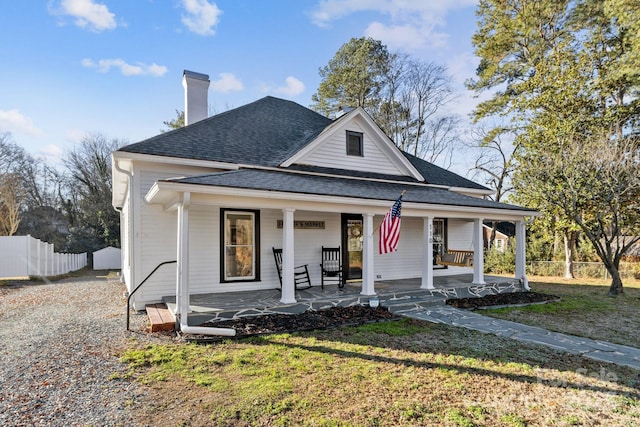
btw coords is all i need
(22, 257)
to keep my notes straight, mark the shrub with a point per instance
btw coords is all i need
(500, 262)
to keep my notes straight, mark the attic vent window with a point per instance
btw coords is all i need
(354, 144)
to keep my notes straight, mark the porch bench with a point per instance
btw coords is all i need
(456, 257)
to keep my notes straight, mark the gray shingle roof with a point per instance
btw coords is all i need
(439, 176)
(264, 133)
(269, 180)
(359, 174)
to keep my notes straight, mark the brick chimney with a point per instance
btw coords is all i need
(196, 87)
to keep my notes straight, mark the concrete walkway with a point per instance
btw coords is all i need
(593, 349)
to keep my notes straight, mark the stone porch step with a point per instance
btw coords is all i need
(160, 317)
(407, 305)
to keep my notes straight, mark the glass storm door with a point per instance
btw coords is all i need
(352, 239)
(439, 237)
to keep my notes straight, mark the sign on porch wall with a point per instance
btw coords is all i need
(308, 225)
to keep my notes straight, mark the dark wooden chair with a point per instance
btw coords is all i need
(300, 273)
(331, 266)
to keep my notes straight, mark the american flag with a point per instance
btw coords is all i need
(390, 228)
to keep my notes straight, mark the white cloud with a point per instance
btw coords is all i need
(461, 68)
(88, 14)
(51, 153)
(406, 37)
(292, 87)
(226, 83)
(201, 16)
(15, 121)
(75, 135)
(139, 69)
(413, 24)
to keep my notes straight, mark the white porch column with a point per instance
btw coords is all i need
(427, 253)
(182, 270)
(521, 244)
(478, 252)
(288, 280)
(367, 256)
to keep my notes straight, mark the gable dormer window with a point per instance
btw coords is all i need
(354, 144)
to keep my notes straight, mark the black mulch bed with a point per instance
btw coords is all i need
(515, 298)
(309, 320)
(354, 315)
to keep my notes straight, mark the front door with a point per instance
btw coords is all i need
(352, 227)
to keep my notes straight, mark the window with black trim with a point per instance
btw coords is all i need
(354, 144)
(240, 245)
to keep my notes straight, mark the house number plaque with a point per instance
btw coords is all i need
(307, 225)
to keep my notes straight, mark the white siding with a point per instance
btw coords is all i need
(155, 239)
(204, 249)
(333, 153)
(407, 261)
(159, 239)
(157, 243)
(460, 234)
(307, 242)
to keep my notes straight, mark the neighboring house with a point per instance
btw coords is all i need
(218, 194)
(504, 230)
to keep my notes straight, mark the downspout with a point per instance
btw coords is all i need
(130, 264)
(182, 294)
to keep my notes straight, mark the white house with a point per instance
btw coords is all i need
(218, 194)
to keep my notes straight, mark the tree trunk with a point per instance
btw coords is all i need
(569, 248)
(616, 282)
(492, 238)
(555, 244)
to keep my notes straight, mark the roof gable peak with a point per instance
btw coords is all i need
(378, 153)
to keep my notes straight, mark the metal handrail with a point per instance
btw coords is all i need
(142, 283)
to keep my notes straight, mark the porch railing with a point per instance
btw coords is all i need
(140, 285)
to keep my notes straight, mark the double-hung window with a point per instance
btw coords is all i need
(240, 245)
(354, 144)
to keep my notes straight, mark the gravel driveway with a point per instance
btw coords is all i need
(59, 354)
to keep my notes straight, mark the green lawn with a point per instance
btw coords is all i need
(585, 309)
(400, 373)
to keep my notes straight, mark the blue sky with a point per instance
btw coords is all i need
(72, 67)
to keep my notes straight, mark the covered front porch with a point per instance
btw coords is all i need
(252, 224)
(396, 295)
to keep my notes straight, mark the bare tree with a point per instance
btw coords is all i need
(93, 222)
(405, 96)
(11, 198)
(14, 160)
(426, 91)
(494, 166)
